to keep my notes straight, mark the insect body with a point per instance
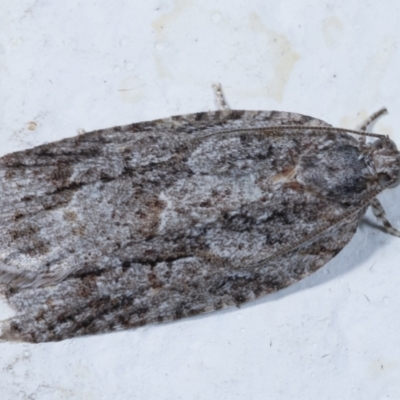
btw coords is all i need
(165, 219)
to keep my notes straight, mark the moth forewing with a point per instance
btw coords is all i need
(165, 219)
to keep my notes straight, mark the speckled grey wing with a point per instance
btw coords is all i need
(165, 219)
(139, 294)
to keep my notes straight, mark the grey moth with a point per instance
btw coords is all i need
(166, 219)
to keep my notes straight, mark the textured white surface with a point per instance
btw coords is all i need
(76, 65)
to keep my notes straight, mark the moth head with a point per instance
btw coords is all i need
(386, 162)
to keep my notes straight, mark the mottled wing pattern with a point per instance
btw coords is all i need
(160, 220)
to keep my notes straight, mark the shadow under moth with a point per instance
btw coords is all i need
(161, 220)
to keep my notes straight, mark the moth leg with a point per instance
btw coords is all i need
(219, 96)
(380, 215)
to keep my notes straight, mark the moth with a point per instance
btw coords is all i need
(166, 219)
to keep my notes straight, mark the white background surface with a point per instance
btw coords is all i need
(92, 64)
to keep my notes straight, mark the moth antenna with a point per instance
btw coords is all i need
(372, 118)
(380, 215)
(366, 124)
(295, 128)
(219, 97)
